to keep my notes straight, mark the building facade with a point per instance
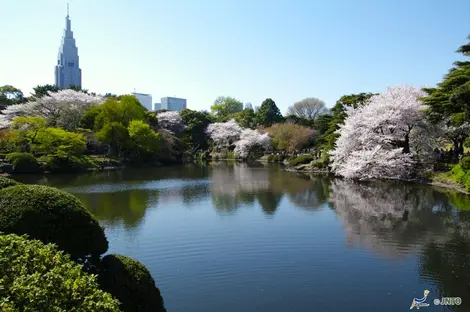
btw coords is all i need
(157, 106)
(144, 99)
(173, 104)
(67, 70)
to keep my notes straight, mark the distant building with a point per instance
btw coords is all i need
(248, 106)
(173, 104)
(256, 108)
(67, 70)
(157, 106)
(144, 99)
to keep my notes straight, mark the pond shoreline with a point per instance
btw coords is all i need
(448, 184)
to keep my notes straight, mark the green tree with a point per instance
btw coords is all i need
(114, 134)
(195, 122)
(38, 277)
(26, 130)
(43, 90)
(246, 118)
(450, 100)
(225, 106)
(146, 141)
(268, 114)
(10, 95)
(123, 111)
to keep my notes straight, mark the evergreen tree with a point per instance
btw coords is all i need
(269, 113)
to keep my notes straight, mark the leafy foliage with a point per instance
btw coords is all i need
(10, 95)
(246, 118)
(461, 175)
(290, 137)
(38, 277)
(66, 164)
(268, 114)
(224, 106)
(52, 216)
(376, 139)
(131, 283)
(5, 182)
(146, 141)
(302, 159)
(23, 163)
(195, 125)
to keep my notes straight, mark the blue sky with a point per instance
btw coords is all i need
(248, 49)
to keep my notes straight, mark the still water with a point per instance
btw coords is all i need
(250, 238)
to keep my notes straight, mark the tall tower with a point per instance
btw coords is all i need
(67, 70)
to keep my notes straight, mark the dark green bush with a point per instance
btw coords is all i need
(270, 157)
(38, 277)
(465, 163)
(131, 283)
(302, 159)
(5, 182)
(52, 216)
(57, 163)
(23, 163)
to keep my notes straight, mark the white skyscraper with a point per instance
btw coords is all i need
(67, 70)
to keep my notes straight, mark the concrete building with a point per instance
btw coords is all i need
(67, 70)
(173, 104)
(144, 99)
(157, 106)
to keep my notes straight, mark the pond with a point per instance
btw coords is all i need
(235, 237)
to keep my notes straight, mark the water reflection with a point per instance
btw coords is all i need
(397, 219)
(237, 184)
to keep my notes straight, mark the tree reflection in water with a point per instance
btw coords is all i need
(395, 219)
(237, 184)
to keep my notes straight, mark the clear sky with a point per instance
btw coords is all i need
(248, 49)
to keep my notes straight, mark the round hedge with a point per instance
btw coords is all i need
(23, 163)
(5, 182)
(131, 283)
(52, 216)
(38, 277)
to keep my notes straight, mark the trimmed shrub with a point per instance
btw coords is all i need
(38, 277)
(56, 163)
(302, 159)
(52, 216)
(23, 163)
(5, 182)
(465, 163)
(131, 283)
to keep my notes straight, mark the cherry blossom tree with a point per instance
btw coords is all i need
(246, 142)
(378, 140)
(251, 142)
(171, 121)
(224, 134)
(60, 109)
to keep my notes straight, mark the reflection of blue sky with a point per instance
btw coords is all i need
(153, 185)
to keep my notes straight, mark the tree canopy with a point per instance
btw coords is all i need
(224, 106)
(269, 113)
(309, 108)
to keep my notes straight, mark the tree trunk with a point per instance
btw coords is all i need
(406, 144)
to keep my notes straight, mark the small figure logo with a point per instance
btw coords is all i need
(420, 302)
